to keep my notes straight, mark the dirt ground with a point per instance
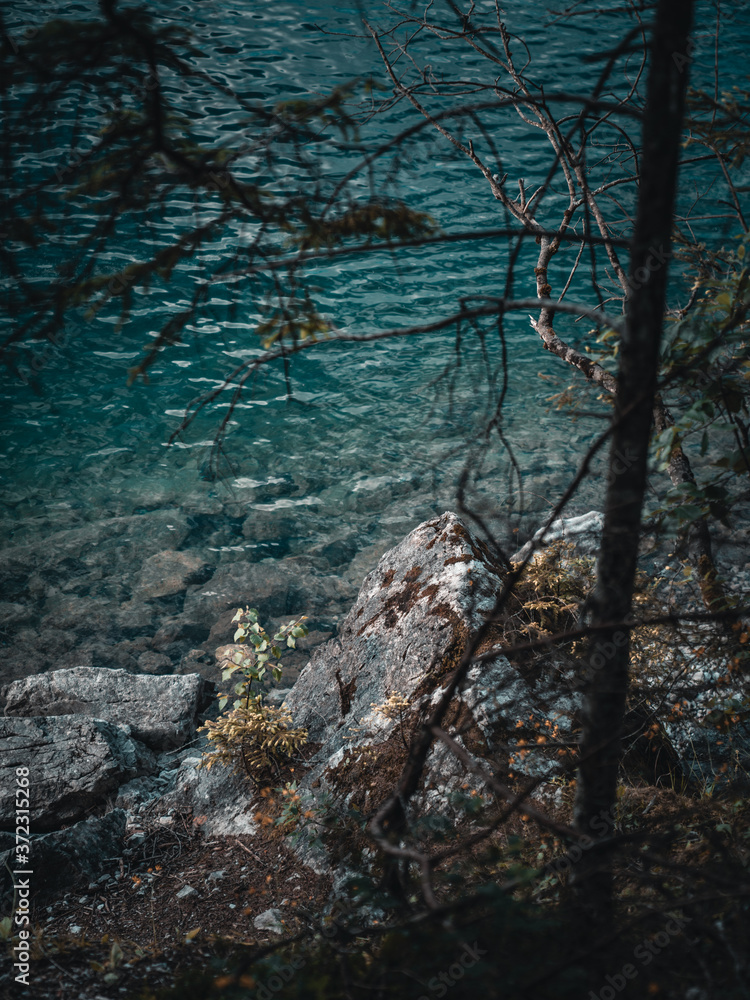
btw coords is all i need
(174, 900)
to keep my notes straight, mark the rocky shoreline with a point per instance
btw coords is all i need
(139, 730)
(115, 753)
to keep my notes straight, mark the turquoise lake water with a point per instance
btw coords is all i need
(376, 436)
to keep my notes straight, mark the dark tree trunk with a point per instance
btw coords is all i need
(608, 655)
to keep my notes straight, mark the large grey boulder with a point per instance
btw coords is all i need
(404, 635)
(160, 711)
(409, 623)
(74, 763)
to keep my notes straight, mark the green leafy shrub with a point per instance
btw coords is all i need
(255, 738)
(262, 649)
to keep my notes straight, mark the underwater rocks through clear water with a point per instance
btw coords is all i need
(154, 593)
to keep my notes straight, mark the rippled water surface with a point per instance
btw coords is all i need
(375, 436)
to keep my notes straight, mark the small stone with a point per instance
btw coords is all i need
(185, 891)
(269, 920)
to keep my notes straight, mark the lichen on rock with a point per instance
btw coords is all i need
(402, 638)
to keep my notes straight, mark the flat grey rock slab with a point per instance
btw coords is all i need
(74, 763)
(160, 711)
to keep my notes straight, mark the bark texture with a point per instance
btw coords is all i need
(604, 705)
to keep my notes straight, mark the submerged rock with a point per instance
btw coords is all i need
(151, 662)
(106, 549)
(15, 614)
(168, 573)
(273, 588)
(83, 615)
